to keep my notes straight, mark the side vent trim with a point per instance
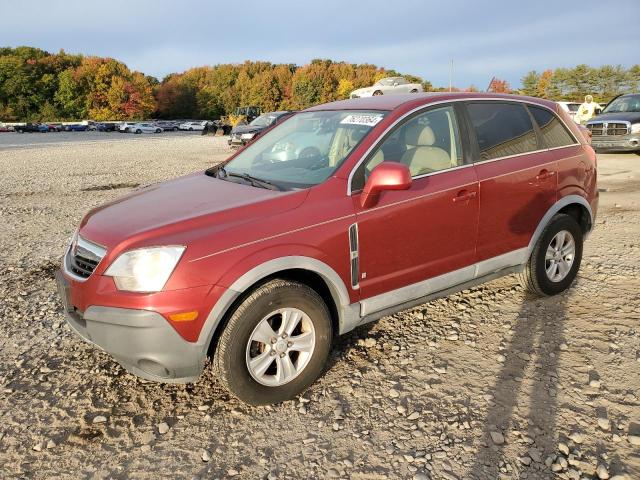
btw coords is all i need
(353, 256)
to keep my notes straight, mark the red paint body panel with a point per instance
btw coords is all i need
(513, 201)
(406, 237)
(418, 233)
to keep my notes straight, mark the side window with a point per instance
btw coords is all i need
(426, 143)
(502, 129)
(554, 133)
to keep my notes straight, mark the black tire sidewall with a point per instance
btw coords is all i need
(562, 222)
(240, 380)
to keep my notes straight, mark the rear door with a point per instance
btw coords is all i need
(424, 232)
(517, 175)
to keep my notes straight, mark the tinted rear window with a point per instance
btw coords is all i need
(502, 129)
(554, 133)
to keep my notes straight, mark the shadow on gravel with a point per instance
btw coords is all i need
(535, 344)
(110, 186)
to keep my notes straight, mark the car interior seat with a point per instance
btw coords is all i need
(422, 157)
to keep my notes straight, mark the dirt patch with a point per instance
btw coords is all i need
(110, 186)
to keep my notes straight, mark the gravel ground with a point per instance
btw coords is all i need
(486, 384)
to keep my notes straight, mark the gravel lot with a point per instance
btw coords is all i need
(485, 384)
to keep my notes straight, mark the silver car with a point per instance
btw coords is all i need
(388, 86)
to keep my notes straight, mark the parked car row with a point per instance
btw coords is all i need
(41, 127)
(123, 127)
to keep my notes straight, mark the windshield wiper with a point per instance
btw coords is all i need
(256, 182)
(220, 172)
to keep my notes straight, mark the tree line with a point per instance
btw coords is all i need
(36, 85)
(573, 84)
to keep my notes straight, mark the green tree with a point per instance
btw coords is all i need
(530, 84)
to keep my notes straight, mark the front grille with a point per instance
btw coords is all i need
(83, 257)
(608, 128)
(80, 265)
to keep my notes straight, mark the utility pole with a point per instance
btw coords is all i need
(450, 74)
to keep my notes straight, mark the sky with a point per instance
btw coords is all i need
(502, 38)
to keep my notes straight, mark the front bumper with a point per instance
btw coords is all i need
(142, 341)
(617, 143)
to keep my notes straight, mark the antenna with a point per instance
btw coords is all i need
(450, 74)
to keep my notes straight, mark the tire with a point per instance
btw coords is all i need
(191, 129)
(235, 347)
(158, 130)
(138, 132)
(414, 91)
(534, 278)
(376, 93)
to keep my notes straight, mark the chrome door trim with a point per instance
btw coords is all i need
(454, 100)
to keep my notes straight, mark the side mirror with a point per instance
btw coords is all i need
(386, 176)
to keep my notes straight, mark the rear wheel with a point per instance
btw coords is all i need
(555, 259)
(415, 90)
(138, 131)
(158, 130)
(275, 344)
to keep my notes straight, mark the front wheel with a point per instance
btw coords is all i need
(158, 130)
(377, 93)
(275, 344)
(138, 132)
(556, 257)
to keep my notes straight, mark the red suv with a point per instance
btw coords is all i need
(342, 214)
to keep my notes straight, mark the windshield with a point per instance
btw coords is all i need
(305, 150)
(624, 104)
(263, 121)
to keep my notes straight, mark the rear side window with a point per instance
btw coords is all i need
(554, 133)
(502, 129)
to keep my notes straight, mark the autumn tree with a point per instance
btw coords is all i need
(499, 86)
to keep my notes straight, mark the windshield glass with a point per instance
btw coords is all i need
(624, 104)
(263, 121)
(306, 149)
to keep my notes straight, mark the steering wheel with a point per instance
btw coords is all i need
(315, 156)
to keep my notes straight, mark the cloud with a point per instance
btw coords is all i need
(503, 38)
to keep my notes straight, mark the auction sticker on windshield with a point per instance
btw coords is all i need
(367, 119)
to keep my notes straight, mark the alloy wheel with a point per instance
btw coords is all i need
(560, 255)
(280, 347)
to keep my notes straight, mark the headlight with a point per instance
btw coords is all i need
(247, 136)
(635, 128)
(145, 269)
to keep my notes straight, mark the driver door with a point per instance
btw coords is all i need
(420, 240)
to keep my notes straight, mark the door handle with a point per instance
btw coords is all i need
(544, 174)
(464, 196)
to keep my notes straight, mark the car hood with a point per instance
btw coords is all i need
(177, 211)
(246, 129)
(617, 116)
